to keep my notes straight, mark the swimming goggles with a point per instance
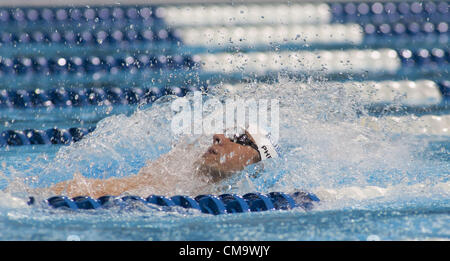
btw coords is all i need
(243, 139)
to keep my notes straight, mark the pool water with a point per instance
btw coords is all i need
(390, 187)
(380, 166)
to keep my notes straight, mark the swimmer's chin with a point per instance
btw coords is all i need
(212, 172)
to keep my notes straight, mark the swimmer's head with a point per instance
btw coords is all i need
(233, 151)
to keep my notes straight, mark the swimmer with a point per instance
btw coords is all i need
(227, 155)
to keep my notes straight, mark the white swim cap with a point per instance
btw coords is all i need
(267, 146)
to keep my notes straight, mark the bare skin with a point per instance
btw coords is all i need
(225, 157)
(222, 159)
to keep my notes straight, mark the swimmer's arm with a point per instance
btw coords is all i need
(81, 186)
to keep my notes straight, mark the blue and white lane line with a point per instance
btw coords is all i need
(304, 13)
(334, 61)
(216, 37)
(410, 93)
(209, 204)
(79, 16)
(226, 14)
(240, 23)
(42, 137)
(407, 93)
(382, 12)
(212, 15)
(250, 36)
(327, 61)
(438, 125)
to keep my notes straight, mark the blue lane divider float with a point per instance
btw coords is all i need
(209, 204)
(42, 137)
(444, 86)
(74, 26)
(325, 36)
(88, 37)
(114, 14)
(318, 13)
(372, 33)
(90, 65)
(79, 97)
(340, 12)
(424, 58)
(93, 64)
(76, 18)
(379, 12)
(404, 29)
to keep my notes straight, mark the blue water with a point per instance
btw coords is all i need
(414, 206)
(405, 221)
(373, 185)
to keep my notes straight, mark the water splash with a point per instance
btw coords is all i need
(325, 147)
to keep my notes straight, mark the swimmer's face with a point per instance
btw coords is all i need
(225, 157)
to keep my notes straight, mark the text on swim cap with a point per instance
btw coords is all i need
(266, 152)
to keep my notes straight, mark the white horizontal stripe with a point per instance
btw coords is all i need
(266, 35)
(198, 15)
(412, 93)
(348, 61)
(428, 124)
